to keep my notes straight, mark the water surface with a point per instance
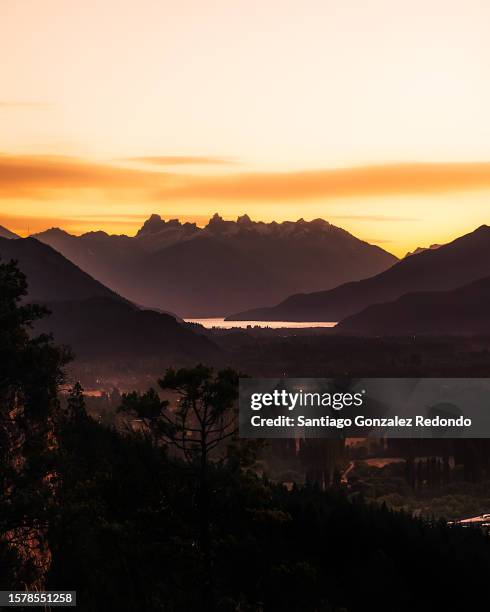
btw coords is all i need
(222, 324)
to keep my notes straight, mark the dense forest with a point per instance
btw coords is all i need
(172, 513)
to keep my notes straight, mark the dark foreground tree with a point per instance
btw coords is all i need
(119, 514)
(76, 411)
(125, 539)
(197, 423)
(31, 369)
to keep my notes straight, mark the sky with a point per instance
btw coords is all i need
(373, 115)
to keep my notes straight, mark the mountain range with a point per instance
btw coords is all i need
(223, 267)
(96, 322)
(463, 311)
(51, 276)
(448, 267)
(441, 290)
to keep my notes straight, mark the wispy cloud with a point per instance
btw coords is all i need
(46, 176)
(383, 180)
(182, 160)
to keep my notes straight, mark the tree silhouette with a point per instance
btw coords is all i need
(76, 409)
(201, 420)
(31, 369)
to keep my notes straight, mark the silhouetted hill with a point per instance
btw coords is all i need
(464, 311)
(6, 233)
(95, 321)
(452, 265)
(110, 259)
(225, 266)
(102, 329)
(51, 276)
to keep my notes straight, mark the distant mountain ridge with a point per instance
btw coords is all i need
(422, 249)
(224, 266)
(452, 265)
(6, 233)
(95, 321)
(104, 330)
(51, 276)
(463, 311)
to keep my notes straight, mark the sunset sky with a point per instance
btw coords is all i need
(374, 115)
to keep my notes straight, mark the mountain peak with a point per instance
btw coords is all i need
(218, 224)
(216, 218)
(244, 220)
(320, 222)
(418, 250)
(53, 232)
(152, 225)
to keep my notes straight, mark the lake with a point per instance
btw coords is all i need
(221, 323)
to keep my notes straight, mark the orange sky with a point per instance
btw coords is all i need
(372, 115)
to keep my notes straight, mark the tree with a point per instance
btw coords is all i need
(197, 424)
(31, 369)
(76, 409)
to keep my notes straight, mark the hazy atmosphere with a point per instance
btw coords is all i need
(245, 305)
(373, 116)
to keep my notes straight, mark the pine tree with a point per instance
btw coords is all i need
(76, 409)
(204, 418)
(31, 370)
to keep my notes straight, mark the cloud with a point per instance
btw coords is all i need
(27, 176)
(181, 160)
(383, 180)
